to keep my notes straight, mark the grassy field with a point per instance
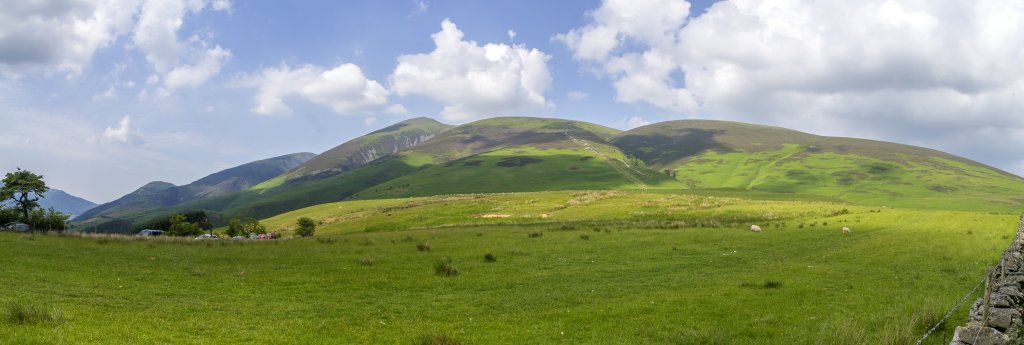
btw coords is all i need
(568, 268)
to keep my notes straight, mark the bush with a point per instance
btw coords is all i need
(490, 257)
(444, 267)
(305, 227)
(25, 314)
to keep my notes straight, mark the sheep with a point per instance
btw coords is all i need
(846, 230)
(755, 228)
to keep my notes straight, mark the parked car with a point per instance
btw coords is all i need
(238, 238)
(150, 232)
(208, 237)
(16, 226)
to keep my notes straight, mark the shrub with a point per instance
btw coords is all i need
(490, 257)
(305, 227)
(25, 314)
(423, 247)
(444, 267)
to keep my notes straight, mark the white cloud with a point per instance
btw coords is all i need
(577, 95)
(511, 35)
(912, 71)
(197, 74)
(188, 63)
(636, 121)
(344, 89)
(124, 133)
(475, 81)
(63, 36)
(59, 36)
(369, 121)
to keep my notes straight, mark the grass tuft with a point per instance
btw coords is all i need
(768, 284)
(490, 257)
(366, 261)
(536, 234)
(423, 247)
(444, 267)
(27, 314)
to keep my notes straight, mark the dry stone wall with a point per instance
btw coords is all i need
(995, 318)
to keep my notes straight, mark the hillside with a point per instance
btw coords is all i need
(518, 154)
(155, 195)
(365, 149)
(719, 154)
(493, 155)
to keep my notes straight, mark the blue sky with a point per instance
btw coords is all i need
(103, 96)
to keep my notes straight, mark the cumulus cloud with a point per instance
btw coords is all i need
(914, 71)
(474, 81)
(59, 36)
(63, 36)
(344, 89)
(187, 63)
(197, 74)
(124, 133)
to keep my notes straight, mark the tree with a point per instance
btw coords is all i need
(19, 186)
(306, 227)
(49, 219)
(245, 226)
(181, 227)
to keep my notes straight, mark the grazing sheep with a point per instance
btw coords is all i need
(846, 230)
(755, 228)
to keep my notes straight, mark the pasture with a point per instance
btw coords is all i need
(563, 268)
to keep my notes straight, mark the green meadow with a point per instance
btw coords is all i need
(605, 267)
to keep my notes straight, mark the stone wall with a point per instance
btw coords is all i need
(995, 318)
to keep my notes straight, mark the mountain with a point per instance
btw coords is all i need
(518, 154)
(65, 203)
(155, 195)
(368, 148)
(730, 155)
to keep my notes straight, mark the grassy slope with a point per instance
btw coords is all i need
(422, 170)
(348, 155)
(634, 280)
(715, 154)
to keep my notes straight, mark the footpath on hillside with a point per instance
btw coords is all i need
(625, 173)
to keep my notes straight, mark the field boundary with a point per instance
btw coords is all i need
(996, 317)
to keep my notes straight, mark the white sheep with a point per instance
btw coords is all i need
(755, 228)
(846, 230)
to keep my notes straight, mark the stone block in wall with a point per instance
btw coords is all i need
(975, 334)
(1003, 319)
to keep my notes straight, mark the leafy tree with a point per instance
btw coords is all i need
(49, 219)
(306, 227)
(245, 226)
(182, 227)
(20, 186)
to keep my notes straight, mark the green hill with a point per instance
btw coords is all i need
(160, 195)
(360, 151)
(494, 155)
(719, 154)
(518, 154)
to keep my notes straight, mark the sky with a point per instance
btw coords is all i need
(103, 96)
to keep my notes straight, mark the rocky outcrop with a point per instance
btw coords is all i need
(995, 318)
